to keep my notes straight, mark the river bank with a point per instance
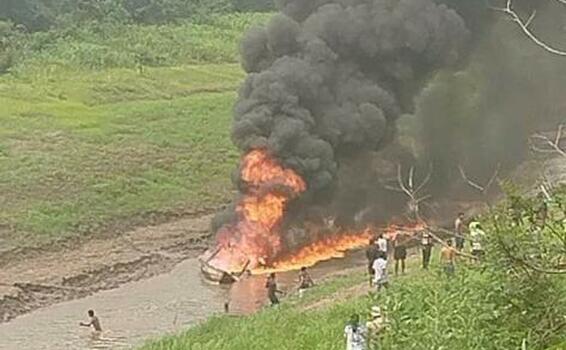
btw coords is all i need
(37, 278)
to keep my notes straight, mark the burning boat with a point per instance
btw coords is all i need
(327, 82)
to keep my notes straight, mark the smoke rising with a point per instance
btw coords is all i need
(335, 77)
(328, 80)
(483, 115)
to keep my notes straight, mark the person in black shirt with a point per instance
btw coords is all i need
(371, 254)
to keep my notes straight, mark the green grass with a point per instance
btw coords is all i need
(102, 46)
(85, 148)
(107, 151)
(425, 310)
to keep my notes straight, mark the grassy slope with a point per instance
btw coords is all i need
(82, 149)
(425, 310)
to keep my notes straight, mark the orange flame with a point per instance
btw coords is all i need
(336, 246)
(324, 249)
(255, 236)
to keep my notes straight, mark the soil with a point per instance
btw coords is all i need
(36, 278)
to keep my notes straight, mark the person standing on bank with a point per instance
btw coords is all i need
(371, 254)
(272, 291)
(448, 258)
(305, 281)
(477, 236)
(400, 252)
(382, 243)
(381, 279)
(426, 246)
(459, 228)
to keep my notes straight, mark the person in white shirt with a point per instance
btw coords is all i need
(381, 278)
(459, 231)
(355, 334)
(381, 243)
(477, 235)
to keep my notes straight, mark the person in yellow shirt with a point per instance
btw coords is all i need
(448, 258)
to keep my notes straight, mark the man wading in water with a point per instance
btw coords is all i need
(94, 322)
(271, 286)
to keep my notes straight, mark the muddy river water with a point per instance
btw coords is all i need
(146, 309)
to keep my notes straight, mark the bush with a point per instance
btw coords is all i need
(254, 5)
(7, 46)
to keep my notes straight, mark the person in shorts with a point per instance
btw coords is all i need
(381, 278)
(448, 258)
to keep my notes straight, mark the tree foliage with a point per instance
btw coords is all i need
(38, 15)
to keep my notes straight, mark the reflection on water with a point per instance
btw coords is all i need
(141, 310)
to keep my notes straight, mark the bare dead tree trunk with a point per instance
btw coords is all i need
(412, 191)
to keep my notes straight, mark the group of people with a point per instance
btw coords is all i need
(378, 251)
(377, 262)
(378, 254)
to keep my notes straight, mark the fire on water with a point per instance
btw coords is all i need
(328, 248)
(254, 241)
(334, 247)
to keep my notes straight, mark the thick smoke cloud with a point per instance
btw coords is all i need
(329, 78)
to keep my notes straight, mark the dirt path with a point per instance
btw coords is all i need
(39, 279)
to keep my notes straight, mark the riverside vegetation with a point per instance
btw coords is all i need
(111, 123)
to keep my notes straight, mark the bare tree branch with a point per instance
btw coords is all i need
(552, 145)
(481, 188)
(408, 188)
(524, 25)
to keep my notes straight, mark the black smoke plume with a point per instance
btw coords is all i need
(328, 79)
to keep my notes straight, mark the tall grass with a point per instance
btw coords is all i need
(101, 46)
